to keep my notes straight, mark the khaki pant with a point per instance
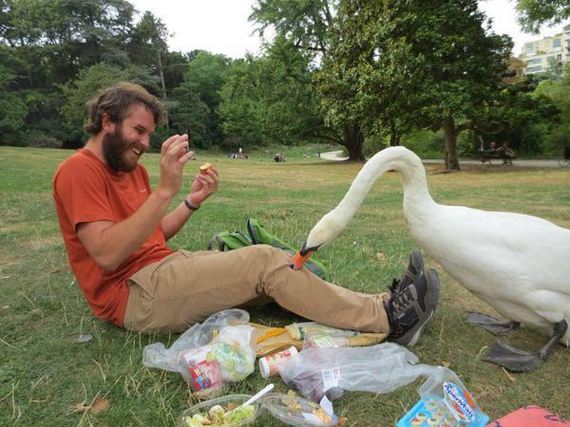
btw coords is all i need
(187, 287)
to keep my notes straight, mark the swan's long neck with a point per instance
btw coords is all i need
(416, 195)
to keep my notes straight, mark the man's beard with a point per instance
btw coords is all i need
(115, 150)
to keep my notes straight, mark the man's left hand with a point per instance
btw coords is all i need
(203, 186)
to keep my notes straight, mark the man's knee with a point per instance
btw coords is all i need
(266, 252)
(266, 256)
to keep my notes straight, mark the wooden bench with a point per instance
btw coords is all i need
(488, 155)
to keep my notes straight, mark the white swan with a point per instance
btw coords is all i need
(518, 264)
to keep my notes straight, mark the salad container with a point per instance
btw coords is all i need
(297, 411)
(235, 419)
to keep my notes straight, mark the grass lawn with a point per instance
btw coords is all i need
(45, 371)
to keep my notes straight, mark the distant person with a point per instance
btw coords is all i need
(493, 146)
(242, 154)
(115, 229)
(507, 153)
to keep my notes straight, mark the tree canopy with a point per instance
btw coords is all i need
(341, 71)
(535, 13)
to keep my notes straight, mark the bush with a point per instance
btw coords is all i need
(424, 143)
(373, 144)
(44, 141)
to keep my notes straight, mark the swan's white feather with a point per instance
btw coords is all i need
(519, 264)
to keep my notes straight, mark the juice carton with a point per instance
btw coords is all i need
(445, 402)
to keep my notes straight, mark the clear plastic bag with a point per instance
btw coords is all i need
(302, 330)
(379, 369)
(209, 353)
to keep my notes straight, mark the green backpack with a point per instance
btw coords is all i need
(226, 241)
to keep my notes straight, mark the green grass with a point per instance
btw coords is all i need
(44, 371)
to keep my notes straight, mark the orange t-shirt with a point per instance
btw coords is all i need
(87, 190)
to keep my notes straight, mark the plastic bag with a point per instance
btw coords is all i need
(209, 353)
(379, 369)
(314, 334)
(300, 331)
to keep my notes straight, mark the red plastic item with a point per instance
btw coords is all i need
(530, 416)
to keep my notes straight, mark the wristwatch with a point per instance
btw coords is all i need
(191, 205)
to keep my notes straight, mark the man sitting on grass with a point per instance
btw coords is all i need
(115, 230)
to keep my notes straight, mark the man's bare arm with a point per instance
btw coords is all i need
(108, 243)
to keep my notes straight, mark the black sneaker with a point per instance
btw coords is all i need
(410, 309)
(415, 268)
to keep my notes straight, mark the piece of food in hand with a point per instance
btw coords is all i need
(205, 168)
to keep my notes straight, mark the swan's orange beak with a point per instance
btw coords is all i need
(301, 257)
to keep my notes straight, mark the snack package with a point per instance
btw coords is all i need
(299, 331)
(209, 354)
(269, 340)
(326, 341)
(309, 334)
(445, 401)
(379, 369)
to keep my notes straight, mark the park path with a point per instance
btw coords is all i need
(535, 163)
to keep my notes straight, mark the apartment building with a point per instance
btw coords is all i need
(539, 54)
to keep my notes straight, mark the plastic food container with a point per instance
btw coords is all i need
(232, 400)
(291, 409)
(445, 401)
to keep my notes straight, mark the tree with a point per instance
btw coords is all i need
(365, 77)
(270, 99)
(519, 117)
(13, 111)
(53, 41)
(88, 83)
(558, 92)
(147, 46)
(534, 13)
(309, 25)
(414, 63)
(66, 35)
(188, 113)
(205, 76)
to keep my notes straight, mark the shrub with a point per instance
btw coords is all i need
(44, 141)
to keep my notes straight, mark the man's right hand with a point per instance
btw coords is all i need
(173, 158)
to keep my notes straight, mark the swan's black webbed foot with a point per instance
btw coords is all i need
(517, 360)
(490, 324)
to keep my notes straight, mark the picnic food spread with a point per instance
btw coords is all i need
(222, 349)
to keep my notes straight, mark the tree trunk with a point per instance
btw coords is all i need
(394, 134)
(354, 141)
(450, 144)
(162, 84)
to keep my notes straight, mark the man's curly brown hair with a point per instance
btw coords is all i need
(117, 101)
